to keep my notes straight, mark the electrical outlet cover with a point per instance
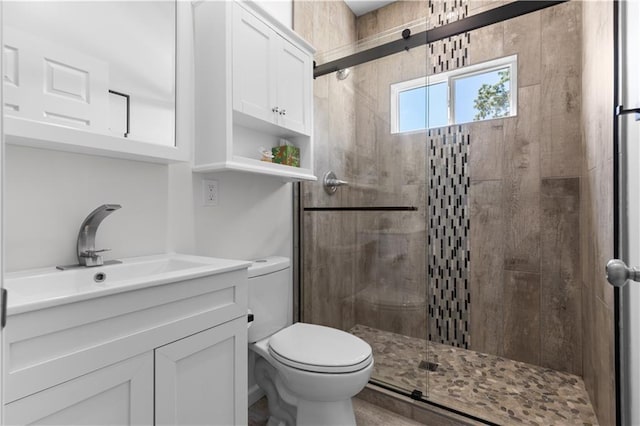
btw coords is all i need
(210, 192)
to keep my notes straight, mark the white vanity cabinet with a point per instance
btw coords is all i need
(201, 379)
(120, 394)
(170, 353)
(254, 87)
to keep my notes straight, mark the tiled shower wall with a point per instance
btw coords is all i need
(525, 196)
(524, 290)
(597, 207)
(330, 251)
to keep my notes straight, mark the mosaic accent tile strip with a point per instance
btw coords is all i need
(489, 387)
(448, 236)
(452, 53)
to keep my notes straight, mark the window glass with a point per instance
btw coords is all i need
(423, 107)
(476, 92)
(412, 109)
(438, 112)
(482, 96)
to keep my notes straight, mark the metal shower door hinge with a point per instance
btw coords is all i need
(621, 111)
(618, 273)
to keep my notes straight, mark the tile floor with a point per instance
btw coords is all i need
(489, 387)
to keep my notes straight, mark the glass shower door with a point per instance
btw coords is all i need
(364, 246)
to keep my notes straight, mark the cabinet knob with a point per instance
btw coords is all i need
(276, 109)
(283, 112)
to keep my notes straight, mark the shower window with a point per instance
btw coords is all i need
(473, 93)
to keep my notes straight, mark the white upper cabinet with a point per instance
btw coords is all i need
(270, 78)
(253, 88)
(294, 88)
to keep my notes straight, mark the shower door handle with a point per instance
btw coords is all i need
(618, 273)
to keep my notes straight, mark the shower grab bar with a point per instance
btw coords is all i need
(363, 209)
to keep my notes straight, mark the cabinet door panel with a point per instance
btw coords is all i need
(121, 394)
(202, 379)
(294, 77)
(253, 66)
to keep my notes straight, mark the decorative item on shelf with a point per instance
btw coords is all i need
(286, 154)
(266, 155)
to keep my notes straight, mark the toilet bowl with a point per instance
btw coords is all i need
(309, 372)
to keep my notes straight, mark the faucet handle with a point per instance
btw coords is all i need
(92, 253)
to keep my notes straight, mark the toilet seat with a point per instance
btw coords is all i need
(319, 349)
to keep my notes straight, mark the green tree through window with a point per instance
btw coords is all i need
(493, 99)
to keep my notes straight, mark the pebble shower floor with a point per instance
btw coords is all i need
(489, 387)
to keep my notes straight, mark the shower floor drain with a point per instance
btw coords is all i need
(429, 366)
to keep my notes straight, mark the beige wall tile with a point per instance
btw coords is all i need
(479, 6)
(487, 280)
(521, 326)
(603, 230)
(561, 90)
(604, 363)
(522, 184)
(486, 43)
(391, 16)
(561, 340)
(597, 80)
(486, 147)
(597, 219)
(522, 36)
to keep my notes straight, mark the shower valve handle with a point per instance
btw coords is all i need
(331, 182)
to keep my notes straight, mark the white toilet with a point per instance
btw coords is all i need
(309, 372)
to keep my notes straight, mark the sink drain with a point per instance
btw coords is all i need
(100, 277)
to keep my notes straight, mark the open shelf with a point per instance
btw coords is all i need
(251, 165)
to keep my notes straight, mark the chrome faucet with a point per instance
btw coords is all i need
(86, 247)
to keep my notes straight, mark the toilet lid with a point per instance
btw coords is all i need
(319, 349)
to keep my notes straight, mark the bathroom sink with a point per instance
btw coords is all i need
(41, 288)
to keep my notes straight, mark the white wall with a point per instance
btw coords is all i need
(49, 193)
(253, 218)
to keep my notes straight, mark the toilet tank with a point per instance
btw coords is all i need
(270, 296)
